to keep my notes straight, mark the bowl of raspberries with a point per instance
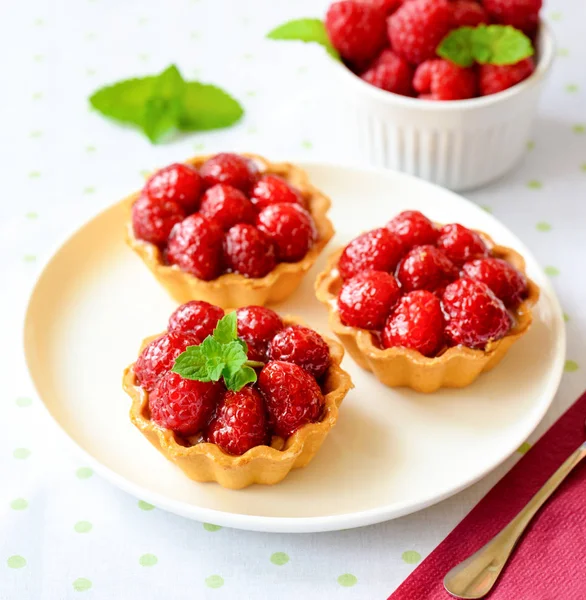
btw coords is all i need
(442, 89)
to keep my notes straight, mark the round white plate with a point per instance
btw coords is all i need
(392, 452)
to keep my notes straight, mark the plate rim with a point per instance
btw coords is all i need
(316, 524)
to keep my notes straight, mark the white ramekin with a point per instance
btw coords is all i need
(460, 144)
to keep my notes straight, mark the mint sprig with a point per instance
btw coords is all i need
(305, 30)
(220, 355)
(485, 44)
(164, 103)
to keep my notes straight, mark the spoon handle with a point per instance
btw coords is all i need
(474, 577)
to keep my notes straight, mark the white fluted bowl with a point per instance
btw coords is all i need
(459, 144)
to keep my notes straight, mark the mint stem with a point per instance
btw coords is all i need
(254, 364)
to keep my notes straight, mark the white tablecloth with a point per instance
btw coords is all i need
(64, 532)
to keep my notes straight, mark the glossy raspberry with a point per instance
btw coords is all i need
(460, 244)
(441, 79)
(195, 245)
(506, 282)
(257, 326)
(474, 315)
(375, 250)
(493, 79)
(521, 14)
(391, 73)
(293, 398)
(417, 322)
(183, 405)
(416, 29)
(159, 356)
(387, 7)
(302, 346)
(231, 169)
(153, 220)
(366, 299)
(290, 228)
(178, 182)
(240, 422)
(425, 268)
(227, 205)
(196, 317)
(467, 13)
(271, 189)
(356, 30)
(413, 229)
(248, 251)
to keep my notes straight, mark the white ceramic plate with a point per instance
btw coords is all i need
(393, 451)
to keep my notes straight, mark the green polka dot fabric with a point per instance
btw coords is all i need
(67, 533)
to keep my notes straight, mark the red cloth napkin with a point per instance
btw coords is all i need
(550, 562)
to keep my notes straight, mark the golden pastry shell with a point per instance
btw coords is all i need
(233, 290)
(262, 464)
(456, 367)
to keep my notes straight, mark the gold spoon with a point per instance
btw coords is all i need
(475, 577)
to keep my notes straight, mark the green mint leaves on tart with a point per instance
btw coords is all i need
(162, 104)
(305, 30)
(485, 44)
(220, 355)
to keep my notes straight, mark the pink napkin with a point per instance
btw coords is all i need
(550, 562)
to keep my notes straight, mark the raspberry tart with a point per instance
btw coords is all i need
(424, 305)
(231, 229)
(236, 398)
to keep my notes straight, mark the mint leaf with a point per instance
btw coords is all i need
(500, 45)
(164, 106)
(226, 329)
(234, 359)
(207, 107)
(214, 354)
(241, 378)
(192, 364)
(485, 44)
(124, 101)
(457, 47)
(305, 30)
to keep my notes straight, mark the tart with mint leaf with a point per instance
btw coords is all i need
(230, 229)
(236, 398)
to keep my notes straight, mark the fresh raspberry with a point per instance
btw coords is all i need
(240, 422)
(232, 169)
(195, 245)
(506, 282)
(417, 322)
(153, 220)
(417, 28)
(467, 13)
(271, 189)
(460, 244)
(302, 346)
(291, 229)
(183, 405)
(196, 317)
(387, 7)
(248, 251)
(441, 79)
(521, 14)
(493, 79)
(159, 356)
(257, 326)
(391, 73)
(475, 316)
(366, 300)
(178, 182)
(375, 250)
(413, 229)
(425, 268)
(356, 30)
(227, 205)
(293, 398)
